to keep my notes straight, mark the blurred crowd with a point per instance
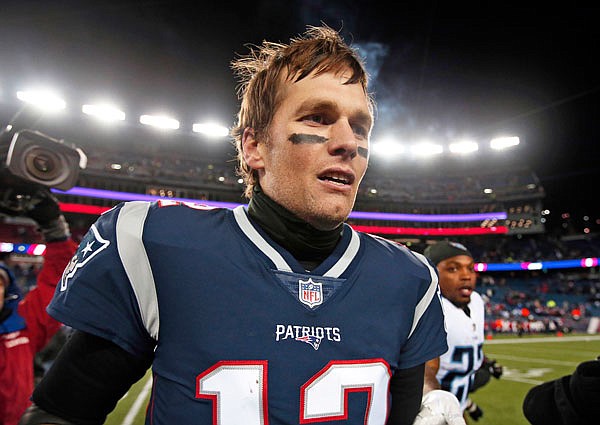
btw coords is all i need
(536, 302)
(516, 302)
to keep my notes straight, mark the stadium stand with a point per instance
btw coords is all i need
(517, 302)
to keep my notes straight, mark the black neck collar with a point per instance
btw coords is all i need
(307, 244)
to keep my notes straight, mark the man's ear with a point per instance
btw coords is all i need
(250, 148)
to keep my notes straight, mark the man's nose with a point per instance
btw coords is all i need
(343, 140)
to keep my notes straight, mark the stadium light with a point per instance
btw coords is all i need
(426, 149)
(463, 147)
(387, 148)
(43, 99)
(104, 112)
(160, 121)
(211, 130)
(500, 143)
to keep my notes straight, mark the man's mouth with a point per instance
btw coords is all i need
(466, 291)
(337, 178)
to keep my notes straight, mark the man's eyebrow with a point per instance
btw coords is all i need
(312, 105)
(316, 105)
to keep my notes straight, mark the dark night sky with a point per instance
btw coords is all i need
(440, 69)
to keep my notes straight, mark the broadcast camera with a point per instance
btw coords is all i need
(31, 162)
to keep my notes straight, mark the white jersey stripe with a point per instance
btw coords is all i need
(342, 264)
(129, 228)
(247, 227)
(426, 300)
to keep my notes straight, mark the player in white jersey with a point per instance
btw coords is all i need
(465, 342)
(464, 313)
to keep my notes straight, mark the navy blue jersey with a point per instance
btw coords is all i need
(241, 333)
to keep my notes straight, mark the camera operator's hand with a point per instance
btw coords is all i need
(43, 208)
(46, 213)
(39, 204)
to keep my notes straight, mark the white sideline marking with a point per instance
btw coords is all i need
(543, 339)
(523, 378)
(524, 381)
(137, 404)
(534, 360)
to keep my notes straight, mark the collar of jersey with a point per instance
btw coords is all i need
(333, 266)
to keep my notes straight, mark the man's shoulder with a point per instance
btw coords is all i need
(164, 210)
(173, 207)
(409, 268)
(477, 306)
(396, 249)
(158, 221)
(476, 299)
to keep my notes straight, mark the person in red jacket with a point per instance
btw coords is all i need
(25, 327)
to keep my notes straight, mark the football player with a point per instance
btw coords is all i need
(276, 314)
(464, 312)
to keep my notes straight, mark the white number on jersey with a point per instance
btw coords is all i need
(238, 391)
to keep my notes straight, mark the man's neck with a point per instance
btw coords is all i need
(307, 244)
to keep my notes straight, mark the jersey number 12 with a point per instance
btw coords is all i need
(238, 390)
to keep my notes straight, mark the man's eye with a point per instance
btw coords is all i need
(319, 119)
(361, 131)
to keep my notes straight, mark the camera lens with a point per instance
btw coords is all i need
(38, 158)
(43, 164)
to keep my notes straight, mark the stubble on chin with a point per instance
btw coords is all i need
(325, 217)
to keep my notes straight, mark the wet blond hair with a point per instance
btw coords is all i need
(267, 67)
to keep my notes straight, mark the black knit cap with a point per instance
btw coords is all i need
(445, 249)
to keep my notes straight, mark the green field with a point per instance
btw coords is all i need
(527, 361)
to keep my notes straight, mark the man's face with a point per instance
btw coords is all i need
(457, 278)
(317, 151)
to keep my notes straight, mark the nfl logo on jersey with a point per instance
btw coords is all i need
(310, 293)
